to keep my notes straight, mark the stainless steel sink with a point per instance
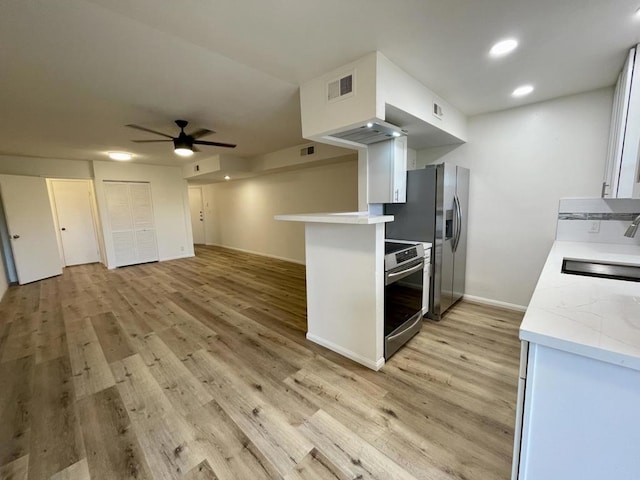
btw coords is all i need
(616, 271)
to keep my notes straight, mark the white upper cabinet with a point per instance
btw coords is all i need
(387, 164)
(622, 167)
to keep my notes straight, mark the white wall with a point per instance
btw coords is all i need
(319, 116)
(239, 214)
(170, 205)
(45, 167)
(522, 162)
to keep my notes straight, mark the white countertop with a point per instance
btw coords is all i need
(358, 218)
(594, 317)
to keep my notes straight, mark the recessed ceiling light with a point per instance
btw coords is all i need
(503, 47)
(369, 125)
(227, 177)
(396, 134)
(522, 91)
(120, 156)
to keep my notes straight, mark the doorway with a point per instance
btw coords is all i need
(74, 213)
(196, 207)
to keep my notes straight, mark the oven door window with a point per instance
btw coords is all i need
(403, 299)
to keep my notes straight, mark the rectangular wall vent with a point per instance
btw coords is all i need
(307, 151)
(437, 110)
(340, 88)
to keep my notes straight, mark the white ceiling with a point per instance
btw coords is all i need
(73, 73)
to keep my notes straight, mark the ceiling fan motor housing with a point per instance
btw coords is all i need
(183, 141)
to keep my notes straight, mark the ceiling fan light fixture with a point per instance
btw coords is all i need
(120, 156)
(183, 151)
(182, 146)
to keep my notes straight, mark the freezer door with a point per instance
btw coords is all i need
(414, 220)
(447, 185)
(420, 219)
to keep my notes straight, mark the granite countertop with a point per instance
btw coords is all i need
(357, 218)
(594, 317)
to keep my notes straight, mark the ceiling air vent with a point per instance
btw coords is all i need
(437, 110)
(340, 88)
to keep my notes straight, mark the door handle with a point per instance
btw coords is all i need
(457, 223)
(15, 237)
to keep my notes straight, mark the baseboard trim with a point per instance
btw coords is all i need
(377, 365)
(255, 253)
(494, 303)
(167, 259)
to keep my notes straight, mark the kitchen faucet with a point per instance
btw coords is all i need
(633, 228)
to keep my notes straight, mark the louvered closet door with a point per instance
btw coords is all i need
(132, 223)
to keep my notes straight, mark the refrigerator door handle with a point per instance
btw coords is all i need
(457, 222)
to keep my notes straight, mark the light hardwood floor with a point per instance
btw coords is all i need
(199, 369)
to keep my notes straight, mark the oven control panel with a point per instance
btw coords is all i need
(405, 255)
(400, 252)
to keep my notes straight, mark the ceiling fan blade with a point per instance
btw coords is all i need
(138, 127)
(201, 133)
(214, 144)
(151, 141)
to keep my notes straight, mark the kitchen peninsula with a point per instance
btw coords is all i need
(345, 283)
(579, 385)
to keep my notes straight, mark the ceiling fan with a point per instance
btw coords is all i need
(183, 144)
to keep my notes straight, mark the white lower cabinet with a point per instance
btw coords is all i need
(132, 223)
(579, 418)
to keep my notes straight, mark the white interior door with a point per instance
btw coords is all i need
(132, 223)
(143, 222)
(30, 221)
(75, 220)
(197, 215)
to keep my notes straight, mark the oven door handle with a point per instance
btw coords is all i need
(404, 330)
(403, 273)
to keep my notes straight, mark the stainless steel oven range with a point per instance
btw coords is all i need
(404, 280)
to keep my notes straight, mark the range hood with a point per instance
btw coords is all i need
(371, 132)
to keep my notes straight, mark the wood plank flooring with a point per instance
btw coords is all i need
(199, 369)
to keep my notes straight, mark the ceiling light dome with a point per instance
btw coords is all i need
(522, 90)
(120, 156)
(503, 47)
(183, 152)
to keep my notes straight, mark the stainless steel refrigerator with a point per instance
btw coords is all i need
(436, 212)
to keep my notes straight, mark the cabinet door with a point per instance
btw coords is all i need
(627, 186)
(621, 171)
(399, 187)
(387, 171)
(618, 121)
